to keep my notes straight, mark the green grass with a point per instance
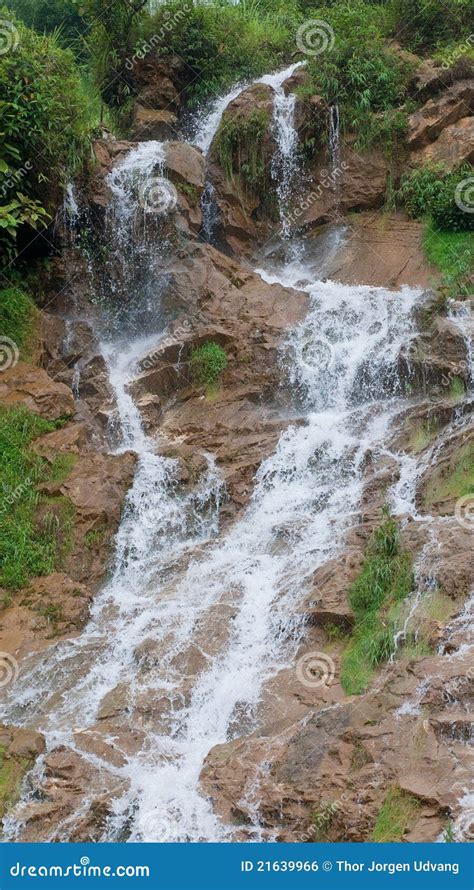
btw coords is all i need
(17, 318)
(208, 362)
(453, 254)
(386, 578)
(396, 814)
(34, 529)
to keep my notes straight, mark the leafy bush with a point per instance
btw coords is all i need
(208, 362)
(360, 73)
(44, 122)
(429, 190)
(421, 25)
(223, 43)
(46, 16)
(17, 313)
(27, 548)
(386, 579)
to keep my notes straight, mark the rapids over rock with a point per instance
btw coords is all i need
(198, 696)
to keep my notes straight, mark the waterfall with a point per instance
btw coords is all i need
(335, 154)
(284, 164)
(195, 621)
(285, 158)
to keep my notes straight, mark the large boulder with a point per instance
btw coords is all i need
(453, 148)
(31, 387)
(427, 123)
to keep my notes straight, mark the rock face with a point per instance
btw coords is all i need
(426, 124)
(32, 388)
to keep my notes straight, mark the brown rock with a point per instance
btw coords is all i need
(151, 124)
(29, 386)
(426, 124)
(185, 164)
(452, 149)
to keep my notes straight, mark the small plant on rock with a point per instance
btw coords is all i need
(208, 362)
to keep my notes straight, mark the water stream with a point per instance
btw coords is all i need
(193, 621)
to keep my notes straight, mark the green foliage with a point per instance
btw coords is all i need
(240, 148)
(430, 190)
(448, 833)
(222, 43)
(47, 16)
(427, 24)
(110, 43)
(208, 362)
(360, 73)
(396, 814)
(17, 315)
(27, 547)
(44, 126)
(386, 578)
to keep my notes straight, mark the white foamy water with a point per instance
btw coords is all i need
(194, 622)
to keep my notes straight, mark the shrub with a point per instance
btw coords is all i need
(44, 122)
(223, 42)
(208, 362)
(432, 22)
(430, 190)
(360, 73)
(45, 16)
(27, 548)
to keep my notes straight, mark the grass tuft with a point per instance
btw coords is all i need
(395, 816)
(386, 579)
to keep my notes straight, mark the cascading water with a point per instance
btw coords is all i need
(335, 154)
(194, 623)
(285, 159)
